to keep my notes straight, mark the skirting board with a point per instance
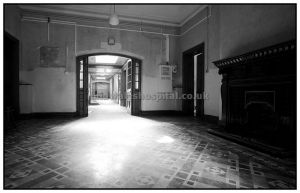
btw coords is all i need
(161, 113)
(211, 119)
(206, 118)
(48, 115)
(272, 150)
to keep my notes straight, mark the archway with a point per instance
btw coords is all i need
(134, 83)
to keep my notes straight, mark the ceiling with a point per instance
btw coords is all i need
(172, 15)
(104, 69)
(120, 61)
(106, 72)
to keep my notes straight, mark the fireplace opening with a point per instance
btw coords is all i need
(260, 115)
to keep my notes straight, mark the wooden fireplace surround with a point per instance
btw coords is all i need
(271, 69)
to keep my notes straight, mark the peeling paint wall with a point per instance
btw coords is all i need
(12, 20)
(232, 30)
(35, 35)
(54, 88)
(148, 47)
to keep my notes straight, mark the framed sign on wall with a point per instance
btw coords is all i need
(50, 57)
(166, 72)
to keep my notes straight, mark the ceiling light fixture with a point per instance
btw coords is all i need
(114, 19)
(106, 59)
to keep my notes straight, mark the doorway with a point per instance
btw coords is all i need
(11, 79)
(108, 76)
(193, 81)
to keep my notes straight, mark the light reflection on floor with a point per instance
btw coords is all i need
(111, 149)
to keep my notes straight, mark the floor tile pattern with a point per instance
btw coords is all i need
(121, 151)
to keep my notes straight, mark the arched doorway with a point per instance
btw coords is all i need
(134, 96)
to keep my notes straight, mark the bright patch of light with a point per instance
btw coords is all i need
(165, 139)
(100, 70)
(108, 70)
(118, 166)
(101, 78)
(113, 139)
(106, 59)
(105, 162)
(102, 74)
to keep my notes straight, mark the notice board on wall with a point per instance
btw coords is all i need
(165, 81)
(50, 57)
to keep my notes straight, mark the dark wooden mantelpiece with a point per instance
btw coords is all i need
(278, 50)
(259, 94)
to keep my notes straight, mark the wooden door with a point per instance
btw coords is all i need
(200, 86)
(188, 84)
(11, 80)
(189, 80)
(136, 87)
(82, 86)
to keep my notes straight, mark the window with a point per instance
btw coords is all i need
(81, 75)
(137, 74)
(129, 75)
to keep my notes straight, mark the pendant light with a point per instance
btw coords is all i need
(114, 19)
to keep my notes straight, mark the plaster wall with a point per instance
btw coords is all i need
(52, 89)
(232, 30)
(245, 28)
(12, 20)
(198, 35)
(73, 41)
(102, 89)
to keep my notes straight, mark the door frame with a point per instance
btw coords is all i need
(14, 66)
(136, 105)
(84, 112)
(186, 56)
(123, 88)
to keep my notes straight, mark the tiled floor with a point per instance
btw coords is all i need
(111, 149)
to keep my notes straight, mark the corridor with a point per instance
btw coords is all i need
(112, 149)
